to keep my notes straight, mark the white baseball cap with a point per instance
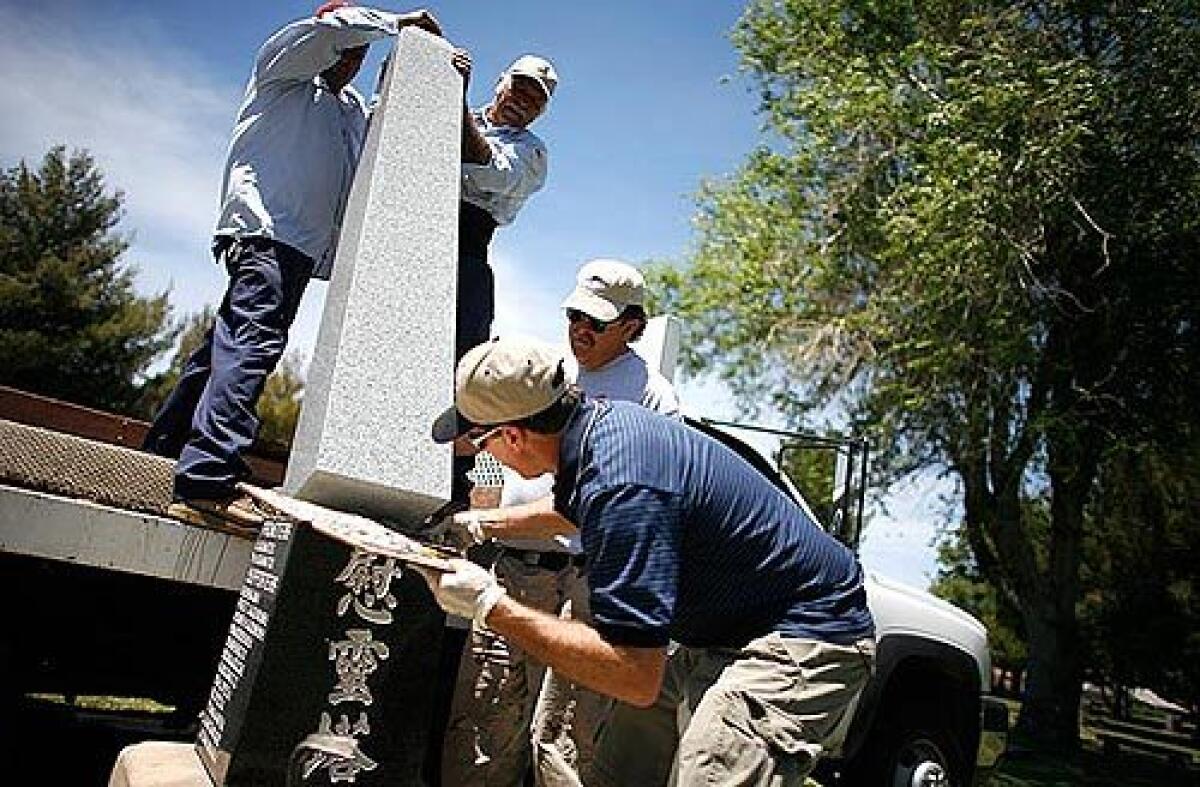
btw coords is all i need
(537, 68)
(605, 288)
(501, 381)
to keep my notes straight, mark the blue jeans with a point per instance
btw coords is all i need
(210, 419)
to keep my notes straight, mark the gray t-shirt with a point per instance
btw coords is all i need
(628, 378)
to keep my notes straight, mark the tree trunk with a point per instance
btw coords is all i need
(1050, 712)
(1050, 708)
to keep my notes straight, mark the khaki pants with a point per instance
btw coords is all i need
(760, 715)
(503, 699)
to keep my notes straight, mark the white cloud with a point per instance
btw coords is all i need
(156, 125)
(525, 304)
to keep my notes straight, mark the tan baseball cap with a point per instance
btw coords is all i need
(537, 68)
(604, 288)
(501, 381)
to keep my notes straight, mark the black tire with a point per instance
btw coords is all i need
(910, 755)
(926, 758)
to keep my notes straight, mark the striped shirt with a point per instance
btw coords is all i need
(686, 541)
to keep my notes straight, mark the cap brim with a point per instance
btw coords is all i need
(540, 82)
(545, 88)
(588, 302)
(451, 425)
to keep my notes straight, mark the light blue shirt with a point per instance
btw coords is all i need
(296, 144)
(516, 171)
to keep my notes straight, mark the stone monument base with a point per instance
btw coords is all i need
(328, 672)
(159, 764)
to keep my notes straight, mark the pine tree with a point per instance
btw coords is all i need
(71, 325)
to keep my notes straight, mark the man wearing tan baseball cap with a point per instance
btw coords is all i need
(506, 707)
(685, 542)
(501, 382)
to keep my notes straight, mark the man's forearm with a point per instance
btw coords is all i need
(536, 519)
(475, 149)
(576, 650)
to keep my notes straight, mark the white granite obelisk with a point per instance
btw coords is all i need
(383, 366)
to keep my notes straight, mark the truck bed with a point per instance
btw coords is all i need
(103, 593)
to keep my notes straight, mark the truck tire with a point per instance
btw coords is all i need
(910, 754)
(925, 758)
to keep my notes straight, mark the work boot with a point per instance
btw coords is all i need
(237, 513)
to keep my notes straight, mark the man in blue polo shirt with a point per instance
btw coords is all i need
(685, 542)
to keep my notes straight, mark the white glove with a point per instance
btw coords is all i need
(463, 530)
(470, 523)
(468, 590)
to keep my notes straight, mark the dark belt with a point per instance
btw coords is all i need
(550, 561)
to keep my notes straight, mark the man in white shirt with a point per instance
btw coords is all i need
(605, 314)
(295, 146)
(503, 699)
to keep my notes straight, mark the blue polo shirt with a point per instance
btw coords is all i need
(686, 541)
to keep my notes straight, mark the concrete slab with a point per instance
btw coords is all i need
(159, 764)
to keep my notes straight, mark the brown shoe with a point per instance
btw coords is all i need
(237, 513)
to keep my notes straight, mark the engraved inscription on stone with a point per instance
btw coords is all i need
(247, 630)
(367, 581)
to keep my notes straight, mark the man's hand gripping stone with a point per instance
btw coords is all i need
(466, 590)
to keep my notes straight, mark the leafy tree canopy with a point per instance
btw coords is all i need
(974, 226)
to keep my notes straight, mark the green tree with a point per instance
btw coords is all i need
(974, 226)
(960, 582)
(71, 325)
(190, 330)
(279, 406)
(1142, 586)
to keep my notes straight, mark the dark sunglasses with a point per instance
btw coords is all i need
(598, 326)
(479, 438)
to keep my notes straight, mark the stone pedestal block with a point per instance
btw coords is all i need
(327, 671)
(383, 365)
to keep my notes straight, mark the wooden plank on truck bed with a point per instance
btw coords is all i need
(267, 461)
(47, 526)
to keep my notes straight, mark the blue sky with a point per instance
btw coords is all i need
(650, 103)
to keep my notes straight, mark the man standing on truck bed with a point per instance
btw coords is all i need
(291, 161)
(685, 542)
(504, 164)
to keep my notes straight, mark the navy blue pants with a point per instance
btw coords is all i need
(473, 325)
(210, 418)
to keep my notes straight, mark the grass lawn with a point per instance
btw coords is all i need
(1093, 768)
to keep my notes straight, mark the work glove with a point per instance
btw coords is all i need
(467, 590)
(463, 530)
